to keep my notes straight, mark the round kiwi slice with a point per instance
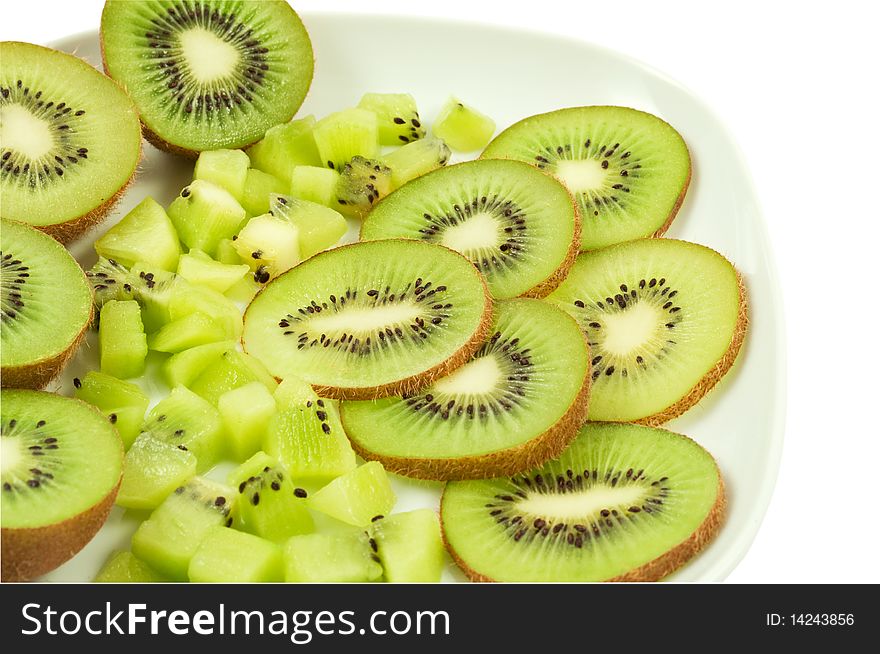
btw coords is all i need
(520, 228)
(208, 74)
(665, 320)
(45, 306)
(60, 469)
(627, 169)
(518, 402)
(69, 140)
(370, 319)
(622, 503)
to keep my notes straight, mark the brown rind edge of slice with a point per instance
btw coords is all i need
(654, 570)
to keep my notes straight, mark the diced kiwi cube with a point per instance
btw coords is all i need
(319, 227)
(244, 290)
(195, 329)
(257, 188)
(397, 116)
(123, 344)
(338, 557)
(107, 392)
(128, 421)
(226, 252)
(153, 469)
(145, 234)
(345, 134)
(270, 244)
(416, 159)
(125, 567)
(205, 272)
(204, 214)
(227, 555)
(187, 298)
(183, 368)
(409, 546)
(246, 412)
(186, 420)
(356, 497)
(285, 146)
(314, 184)
(231, 370)
(463, 127)
(225, 168)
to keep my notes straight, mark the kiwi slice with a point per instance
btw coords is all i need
(45, 306)
(60, 468)
(69, 140)
(370, 319)
(519, 401)
(623, 503)
(517, 226)
(208, 74)
(665, 320)
(628, 170)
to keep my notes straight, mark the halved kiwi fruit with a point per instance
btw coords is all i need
(69, 140)
(208, 74)
(623, 503)
(665, 320)
(518, 402)
(628, 170)
(45, 306)
(60, 469)
(370, 319)
(519, 227)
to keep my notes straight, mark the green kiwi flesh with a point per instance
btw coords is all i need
(370, 319)
(60, 470)
(69, 140)
(518, 402)
(665, 320)
(208, 74)
(517, 226)
(45, 306)
(628, 170)
(622, 503)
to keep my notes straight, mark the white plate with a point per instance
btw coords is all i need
(509, 75)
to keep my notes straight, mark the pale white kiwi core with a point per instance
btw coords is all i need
(209, 57)
(581, 175)
(478, 232)
(477, 377)
(356, 320)
(581, 504)
(24, 133)
(631, 329)
(10, 454)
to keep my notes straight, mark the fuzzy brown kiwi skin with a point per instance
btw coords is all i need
(654, 570)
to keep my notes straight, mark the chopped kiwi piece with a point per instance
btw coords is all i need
(463, 127)
(517, 226)
(152, 289)
(356, 497)
(208, 74)
(122, 402)
(123, 343)
(45, 305)
(224, 168)
(194, 329)
(319, 227)
(126, 568)
(145, 234)
(397, 116)
(370, 319)
(362, 183)
(226, 252)
(246, 411)
(187, 421)
(346, 134)
(170, 537)
(186, 299)
(60, 467)
(244, 290)
(665, 320)
(416, 159)
(306, 436)
(409, 546)
(314, 184)
(628, 170)
(623, 502)
(270, 504)
(343, 557)
(286, 146)
(257, 188)
(227, 555)
(204, 214)
(519, 400)
(183, 368)
(71, 140)
(200, 269)
(270, 244)
(231, 370)
(153, 469)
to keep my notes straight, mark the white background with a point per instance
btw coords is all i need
(797, 84)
